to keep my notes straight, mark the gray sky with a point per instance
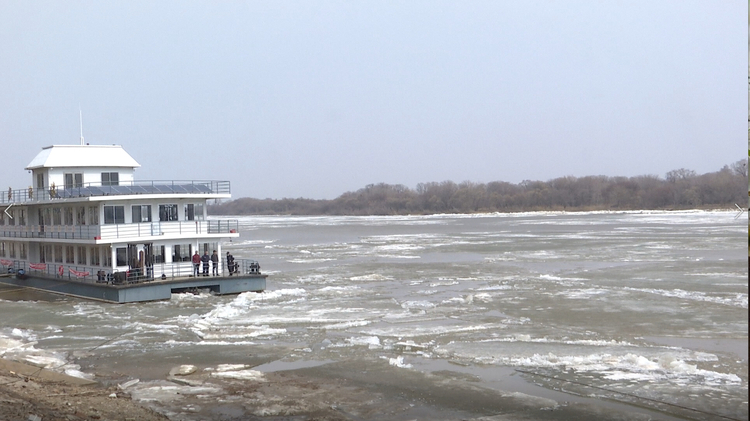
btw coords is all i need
(316, 98)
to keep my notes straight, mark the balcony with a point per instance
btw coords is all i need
(109, 232)
(123, 188)
(102, 275)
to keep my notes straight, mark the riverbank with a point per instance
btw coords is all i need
(338, 392)
(35, 394)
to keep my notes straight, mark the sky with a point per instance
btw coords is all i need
(317, 98)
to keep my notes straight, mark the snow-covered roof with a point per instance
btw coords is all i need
(83, 156)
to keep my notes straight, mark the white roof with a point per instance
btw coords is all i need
(82, 156)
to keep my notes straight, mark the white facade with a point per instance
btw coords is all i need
(87, 213)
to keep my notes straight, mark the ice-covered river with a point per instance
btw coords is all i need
(641, 311)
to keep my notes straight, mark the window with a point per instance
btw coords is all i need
(167, 212)
(40, 182)
(2, 218)
(2, 248)
(194, 212)
(45, 253)
(114, 214)
(58, 253)
(181, 252)
(24, 253)
(159, 254)
(69, 256)
(110, 179)
(73, 180)
(21, 216)
(81, 215)
(56, 216)
(93, 215)
(141, 213)
(12, 250)
(81, 255)
(68, 215)
(11, 216)
(121, 256)
(95, 256)
(107, 257)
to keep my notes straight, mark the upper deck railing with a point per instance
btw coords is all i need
(117, 231)
(123, 188)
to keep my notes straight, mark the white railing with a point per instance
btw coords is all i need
(96, 274)
(115, 231)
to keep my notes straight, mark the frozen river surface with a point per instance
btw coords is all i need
(643, 312)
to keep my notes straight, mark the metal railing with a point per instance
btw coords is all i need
(99, 275)
(116, 231)
(123, 188)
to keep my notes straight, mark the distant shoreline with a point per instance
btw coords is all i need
(679, 190)
(217, 210)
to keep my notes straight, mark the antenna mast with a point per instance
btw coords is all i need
(80, 116)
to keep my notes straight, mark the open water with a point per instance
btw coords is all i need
(635, 311)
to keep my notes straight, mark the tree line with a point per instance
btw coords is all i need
(679, 189)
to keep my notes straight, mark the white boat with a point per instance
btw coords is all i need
(86, 227)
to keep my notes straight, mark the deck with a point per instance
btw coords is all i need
(155, 290)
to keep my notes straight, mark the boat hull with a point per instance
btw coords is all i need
(145, 291)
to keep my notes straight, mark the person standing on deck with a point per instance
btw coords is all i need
(215, 263)
(196, 263)
(205, 259)
(230, 264)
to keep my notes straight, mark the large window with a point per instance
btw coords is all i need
(95, 256)
(167, 212)
(21, 216)
(68, 215)
(122, 256)
(73, 180)
(81, 255)
(194, 212)
(81, 215)
(114, 214)
(56, 216)
(12, 250)
(69, 254)
(159, 254)
(93, 215)
(2, 248)
(110, 179)
(58, 253)
(107, 256)
(141, 213)
(24, 253)
(181, 252)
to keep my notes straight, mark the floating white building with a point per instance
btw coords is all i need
(86, 227)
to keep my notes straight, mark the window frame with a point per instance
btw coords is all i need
(140, 212)
(169, 212)
(114, 214)
(110, 179)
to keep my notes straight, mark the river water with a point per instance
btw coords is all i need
(641, 312)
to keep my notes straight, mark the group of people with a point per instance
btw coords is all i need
(213, 261)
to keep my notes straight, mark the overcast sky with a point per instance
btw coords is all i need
(316, 98)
